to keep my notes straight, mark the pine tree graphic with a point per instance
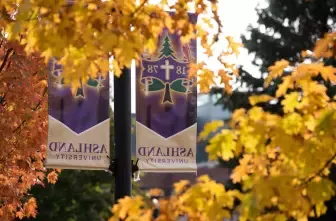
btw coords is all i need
(166, 49)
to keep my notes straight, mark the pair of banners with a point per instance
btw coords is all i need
(166, 118)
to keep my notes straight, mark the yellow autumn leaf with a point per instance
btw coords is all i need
(256, 99)
(222, 145)
(121, 209)
(131, 207)
(180, 186)
(241, 172)
(290, 102)
(228, 150)
(323, 47)
(284, 86)
(43, 10)
(206, 80)
(209, 128)
(292, 123)
(305, 71)
(276, 70)
(325, 121)
(256, 113)
(92, 6)
(237, 116)
(304, 218)
(310, 122)
(235, 46)
(56, 18)
(225, 78)
(328, 73)
(203, 179)
(116, 68)
(321, 191)
(320, 209)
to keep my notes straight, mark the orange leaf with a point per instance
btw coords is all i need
(52, 177)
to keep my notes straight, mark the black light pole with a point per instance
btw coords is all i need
(122, 135)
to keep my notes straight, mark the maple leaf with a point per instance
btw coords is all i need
(222, 145)
(293, 123)
(237, 116)
(255, 113)
(235, 46)
(206, 80)
(132, 208)
(52, 177)
(180, 186)
(323, 46)
(290, 102)
(256, 99)
(326, 120)
(209, 128)
(276, 70)
(328, 73)
(284, 86)
(30, 208)
(310, 122)
(225, 79)
(241, 172)
(19, 214)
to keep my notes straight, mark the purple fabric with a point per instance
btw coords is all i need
(78, 113)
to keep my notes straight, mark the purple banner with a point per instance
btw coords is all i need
(77, 121)
(166, 99)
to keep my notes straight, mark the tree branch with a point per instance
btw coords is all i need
(2, 99)
(4, 62)
(138, 8)
(40, 101)
(326, 165)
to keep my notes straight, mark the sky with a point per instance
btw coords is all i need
(236, 16)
